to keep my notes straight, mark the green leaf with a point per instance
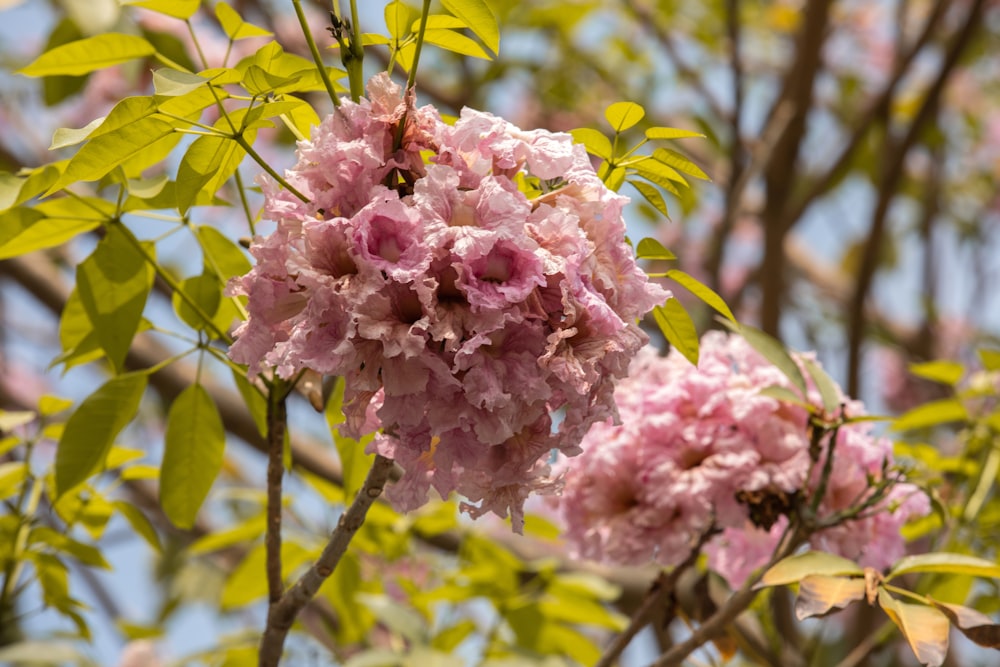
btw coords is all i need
(449, 638)
(26, 229)
(93, 427)
(795, 568)
(670, 133)
(827, 388)
(234, 25)
(677, 327)
(39, 652)
(398, 18)
(206, 166)
(772, 350)
(703, 292)
(945, 372)
(114, 283)
(193, 452)
(650, 248)
(89, 54)
(947, 563)
(679, 162)
(12, 477)
(476, 14)
(221, 256)
(652, 195)
(785, 395)
(660, 174)
(171, 82)
(990, 359)
(925, 628)
(455, 42)
(934, 413)
(616, 179)
(248, 582)
(29, 183)
(179, 9)
(206, 292)
(623, 115)
(140, 523)
(65, 136)
(244, 533)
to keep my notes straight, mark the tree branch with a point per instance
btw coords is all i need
(277, 420)
(282, 614)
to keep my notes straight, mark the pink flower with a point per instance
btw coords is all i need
(700, 448)
(460, 313)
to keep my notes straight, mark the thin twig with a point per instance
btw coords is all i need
(281, 615)
(661, 589)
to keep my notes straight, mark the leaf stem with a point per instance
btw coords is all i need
(314, 50)
(425, 12)
(354, 55)
(245, 145)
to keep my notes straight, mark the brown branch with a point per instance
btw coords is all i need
(892, 176)
(796, 92)
(282, 614)
(277, 420)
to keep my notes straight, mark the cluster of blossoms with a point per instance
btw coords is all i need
(467, 281)
(702, 449)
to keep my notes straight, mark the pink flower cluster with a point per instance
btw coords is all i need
(466, 280)
(702, 447)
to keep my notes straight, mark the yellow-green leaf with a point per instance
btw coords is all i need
(114, 283)
(825, 385)
(925, 628)
(476, 14)
(677, 327)
(652, 195)
(171, 82)
(93, 427)
(656, 172)
(26, 229)
(67, 136)
(193, 454)
(650, 248)
(455, 42)
(623, 115)
(205, 291)
(244, 533)
(796, 568)
(179, 9)
(670, 133)
(772, 350)
(932, 414)
(208, 162)
(595, 142)
(234, 25)
(946, 563)
(140, 523)
(679, 162)
(703, 292)
(820, 593)
(89, 54)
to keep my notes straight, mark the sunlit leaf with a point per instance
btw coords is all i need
(114, 283)
(990, 359)
(819, 593)
(946, 563)
(205, 291)
(398, 18)
(796, 568)
(179, 9)
(623, 115)
(65, 136)
(703, 292)
(234, 25)
(26, 229)
(193, 454)
(140, 523)
(89, 54)
(354, 462)
(477, 15)
(650, 248)
(678, 328)
(170, 82)
(595, 142)
(93, 427)
(455, 42)
(243, 533)
(87, 554)
(785, 395)
(974, 624)
(925, 628)
(670, 133)
(12, 477)
(652, 195)
(934, 413)
(945, 372)
(656, 172)
(679, 162)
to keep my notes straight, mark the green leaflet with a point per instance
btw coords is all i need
(679, 162)
(703, 292)
(48, 224)
(670, 133)
(624, 115)
(207, 164)
(652, 195)
(193, 454)
(650, 248)
(93, 427)
(934, 413)
(354, 463)
(476, 14)
(234, 25)
(677, 327)
(205, 291)
(595, 142)
(455, 42)
(772, 350)
(113, 284)
(179, 9)
(87, 55)
(171, 82)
